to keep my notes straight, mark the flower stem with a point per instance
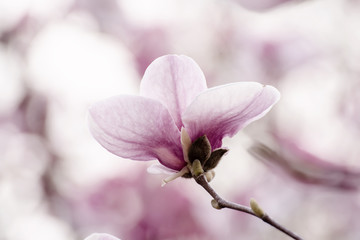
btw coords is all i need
(221, 203)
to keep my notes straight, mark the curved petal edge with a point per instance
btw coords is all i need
(225, 110)
(101, 236)
(137, 128)
(175, 81)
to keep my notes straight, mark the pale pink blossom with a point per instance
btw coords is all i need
(175, 102)
(306, 166)
(137, 208)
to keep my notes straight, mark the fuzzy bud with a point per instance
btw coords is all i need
(210, 175)
(214, 158)
(256, 208)
(200, 149)
(196, 168)
(215, 204)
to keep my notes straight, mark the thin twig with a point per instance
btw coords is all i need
(221, 203)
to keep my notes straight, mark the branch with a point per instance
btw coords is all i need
(254, 210)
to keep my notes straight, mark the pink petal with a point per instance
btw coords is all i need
(137, 128)
(101, 236)
(174, 81)
(157, 168)
(224, 110)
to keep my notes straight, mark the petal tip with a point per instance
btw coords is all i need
(276, 93)
(101, 236)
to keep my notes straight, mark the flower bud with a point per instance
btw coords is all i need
(256, 208)
(214, 158)
(196, 168)
(200, 149)
(210, 175)
(215, 204)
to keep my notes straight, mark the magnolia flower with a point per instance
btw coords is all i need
(177, 119)
(101, 236)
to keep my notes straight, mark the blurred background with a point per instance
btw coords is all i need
(301, 162)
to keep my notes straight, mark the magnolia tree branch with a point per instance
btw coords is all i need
(254, 210)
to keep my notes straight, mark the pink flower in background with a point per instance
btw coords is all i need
(136, 208)
(101, 236)
(175, 102)
(306, 166)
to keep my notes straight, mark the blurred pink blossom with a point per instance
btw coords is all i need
(137, 209)
(174, 96)
(306, 166)
(279, 55)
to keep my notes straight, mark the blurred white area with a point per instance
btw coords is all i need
(59, 57)
(75, 66)
(11, 85)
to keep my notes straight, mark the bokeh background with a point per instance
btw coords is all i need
(301, 162)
